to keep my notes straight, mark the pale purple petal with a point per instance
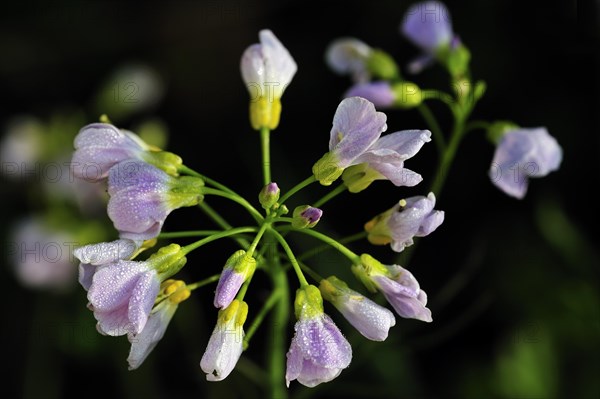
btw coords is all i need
(143, 343)
(99, 146)
(267, 66)
(428, 25)
(416, 218)
(114, 323)
(405, 142)
(112, 284)
(356, 126)
(370, 319)
(223, 351)
(106, 252)
(138, 202)
(86, 275)
(229, 284)
(322, 348)
(142, 299)
(521, 154)
(419, 63)
(379, 93)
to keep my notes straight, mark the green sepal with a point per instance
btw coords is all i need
(382, 66)
(359, 177)
(167, 260)
(407, 95)
(308, 302)
(164, 160)
(185, 191)
(498, 129)
(326, 170)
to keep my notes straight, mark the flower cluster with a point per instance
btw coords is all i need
(138, 298)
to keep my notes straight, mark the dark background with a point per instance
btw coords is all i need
(513, 285)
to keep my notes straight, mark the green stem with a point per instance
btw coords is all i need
(278, 339)
(271, 301)
(204, 282)
(438, 136)
(474, 125)
(266, 154)
(218, 219)
(448, 156)
(191, 233)
(282, 219)
(297, 188)
(188, 248)
(314, 275)
(208, 180)
(259, 235)
(290, 254)
(324, 247)
(235, 198)
(330, 195)
(328, 240)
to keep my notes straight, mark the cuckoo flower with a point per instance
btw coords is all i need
(267, 69)
(370, 319)
(123, 292)
(397, 285)
(410, 217)
(318, 352)
(225, 345)
(429, 27)
(523, 153)
(349, 56)
(172, 293)
(357, 149)
(142, 196)
(93, 255)
(100, 146)
(238, 268)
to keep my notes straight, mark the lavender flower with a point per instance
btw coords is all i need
(142, 196)
(238, 268)
(267, 69)
(355, 140)
(523, 153)
(226, 342)
(100, 146)
(318, 352)
(410, 217)
(349, 56)
(429, 27)
(123, 292)
(172, 293)
(397, 285)
(370, 319)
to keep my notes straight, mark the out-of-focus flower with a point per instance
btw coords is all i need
(267, 69)
(21, 147)
(429, 27)
(238, 268)
(397, 285)
(172, 293)
(318, 352)
(42, 255)
(521, 154)
(349, 56)
(410, 217)
(370, 319)
(225, 345)
(379, 93)
(142, 196)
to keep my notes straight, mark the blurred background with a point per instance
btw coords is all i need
(513, 285)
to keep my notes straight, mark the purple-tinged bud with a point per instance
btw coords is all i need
(306, 217)
(269, 195)
(238, 268)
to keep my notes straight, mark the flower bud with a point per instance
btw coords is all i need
(269, 195)
(408, 95)
(381, 65)
(306, 216)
